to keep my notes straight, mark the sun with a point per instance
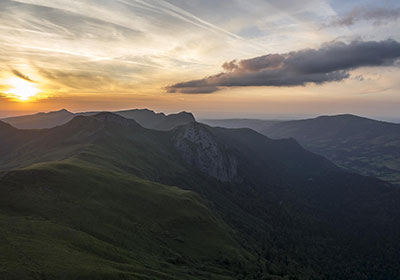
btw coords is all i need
(21, 89)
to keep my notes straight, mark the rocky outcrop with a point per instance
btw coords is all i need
(200, 149)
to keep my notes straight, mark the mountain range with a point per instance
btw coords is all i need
(145, 117)
(103, 197)
(359, 144)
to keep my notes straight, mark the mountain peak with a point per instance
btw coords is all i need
(62, 111)
(58, 112)
(344, 117)
(186, 115)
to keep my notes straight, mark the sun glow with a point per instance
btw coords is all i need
(21, 89)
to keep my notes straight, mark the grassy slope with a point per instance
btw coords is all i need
(70, 220)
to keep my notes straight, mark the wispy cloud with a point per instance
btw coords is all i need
(378, 15)
(22, 76)
(84, 81)
(165, 7)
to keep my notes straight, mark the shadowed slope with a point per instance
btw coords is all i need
(362, 145)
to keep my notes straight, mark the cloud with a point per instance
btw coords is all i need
(377, 14)
(194, 89)
(230, 66)
(331, 62)
(84, 81)
(22, 76)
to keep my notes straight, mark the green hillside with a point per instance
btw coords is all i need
(102, 197)
(70, 220)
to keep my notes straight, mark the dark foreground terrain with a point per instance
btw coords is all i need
(102, 197)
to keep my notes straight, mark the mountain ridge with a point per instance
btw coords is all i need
(145, 117)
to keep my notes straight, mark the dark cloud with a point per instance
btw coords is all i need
(230, 66)
(22, 76)
(194, 90)
(332, 62)
(377, 14)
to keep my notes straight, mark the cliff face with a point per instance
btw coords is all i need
(199, 148)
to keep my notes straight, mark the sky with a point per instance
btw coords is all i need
(217, 59)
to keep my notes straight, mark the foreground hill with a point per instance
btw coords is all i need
(78, 214)
(101, 197)
(144, 117)
(359, 144)
(70, 220)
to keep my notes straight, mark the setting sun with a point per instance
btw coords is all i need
(21, 89)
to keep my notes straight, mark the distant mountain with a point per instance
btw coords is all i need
(102, 197)
(159, 121)
(255, 124)
(41, 120)
(144, 117)
(359, 144)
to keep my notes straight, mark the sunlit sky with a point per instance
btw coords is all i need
(117, 54)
